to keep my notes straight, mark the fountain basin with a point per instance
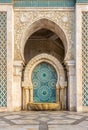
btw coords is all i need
(44, 106)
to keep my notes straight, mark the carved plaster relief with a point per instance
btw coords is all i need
(25, 18)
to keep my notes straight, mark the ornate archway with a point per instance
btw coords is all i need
(28, 85)
(28, 25)
(39, 24)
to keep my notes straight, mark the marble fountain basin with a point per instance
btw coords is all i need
(44, 106)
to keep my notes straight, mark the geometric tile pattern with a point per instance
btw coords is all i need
(3, 59)
(85, 57)
(44, 78)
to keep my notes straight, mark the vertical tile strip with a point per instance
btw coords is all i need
(3, 59)
(85, 57)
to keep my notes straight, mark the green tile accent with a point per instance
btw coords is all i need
(44, 3)
(5, 1)
(82, 1)
(85, 57)
(3, 59)
(44, 78)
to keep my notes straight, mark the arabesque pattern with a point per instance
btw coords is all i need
(44, 78)
(3, 59)
(85, 57)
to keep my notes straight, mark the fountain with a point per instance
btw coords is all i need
(44, 106)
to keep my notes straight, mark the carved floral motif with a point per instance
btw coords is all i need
(64, 19)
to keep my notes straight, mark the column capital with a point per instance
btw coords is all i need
(18, 67)
(70, 65)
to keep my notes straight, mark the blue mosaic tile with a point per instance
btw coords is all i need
(44, 78)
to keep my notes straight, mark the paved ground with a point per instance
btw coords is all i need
(43, 120)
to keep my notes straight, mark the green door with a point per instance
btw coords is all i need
(44, 78)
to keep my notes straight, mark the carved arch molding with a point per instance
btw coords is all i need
(29, 21)
(44, 58)
(28, 85)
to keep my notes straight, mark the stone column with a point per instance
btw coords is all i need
(31, 94)
(57, 94)
(62, 97)
(25, 97)
(16, 89)
(71, 85)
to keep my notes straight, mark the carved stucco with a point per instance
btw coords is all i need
(25, 18)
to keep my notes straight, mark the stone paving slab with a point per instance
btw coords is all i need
(74, 116)
(21, 127)
(13, 117)
(66, 127)
(61, 122)
(83, 123)
(43, 120)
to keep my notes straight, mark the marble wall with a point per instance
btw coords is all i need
(21, 24)
(10, 49)
(80, 8)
